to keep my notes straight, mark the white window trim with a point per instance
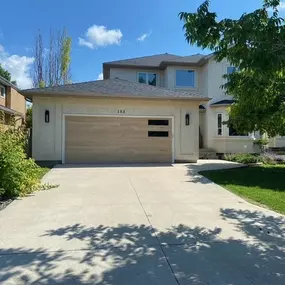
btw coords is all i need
(1, 86)
(147, 73)
(217, 129)
(195, 78)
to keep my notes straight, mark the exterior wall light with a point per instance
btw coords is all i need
(47, 116)
(187, 119)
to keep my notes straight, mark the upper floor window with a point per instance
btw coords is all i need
(231, 69)
(185, 78)
(2, 91)
(147, 78)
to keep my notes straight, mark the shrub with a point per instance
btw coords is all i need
(261, 143)
(243, 158)
(273, 158)
(18, 175)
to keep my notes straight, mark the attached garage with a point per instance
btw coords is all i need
(93, 139)
(114, 121)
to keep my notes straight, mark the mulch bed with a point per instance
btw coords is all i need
(4, 203)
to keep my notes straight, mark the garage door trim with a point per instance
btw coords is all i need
(112, 116)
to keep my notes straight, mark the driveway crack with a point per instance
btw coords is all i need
(154, 233)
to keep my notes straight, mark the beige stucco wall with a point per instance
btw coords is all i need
(170, 78)
(47, 137)
(277, 142)
(132, 74)
(225, 143)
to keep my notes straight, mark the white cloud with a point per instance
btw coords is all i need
(100, 76)
(99, 36)
(1, 48)
(19, 67)
(144, 36)
(281, 6)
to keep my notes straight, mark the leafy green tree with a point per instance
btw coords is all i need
(5, 73)
(255, 44)
(29, 117)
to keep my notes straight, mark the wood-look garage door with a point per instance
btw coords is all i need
(117, 139)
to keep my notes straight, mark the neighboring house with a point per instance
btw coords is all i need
(114, 121)
(199, 74)
(12, 103)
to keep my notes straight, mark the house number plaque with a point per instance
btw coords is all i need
(121, 111)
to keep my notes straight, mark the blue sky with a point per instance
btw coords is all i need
(100, 30)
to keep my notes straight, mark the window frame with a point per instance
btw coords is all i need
(5, 91)
(188, 86)
(220, 128)
(147, 77)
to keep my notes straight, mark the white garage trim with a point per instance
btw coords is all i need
(109, 116)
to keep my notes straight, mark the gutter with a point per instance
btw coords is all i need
(30, 96)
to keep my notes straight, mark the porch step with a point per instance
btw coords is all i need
(207, 153)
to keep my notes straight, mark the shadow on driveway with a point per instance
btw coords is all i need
(122, 255)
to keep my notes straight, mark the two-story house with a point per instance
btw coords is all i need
(196, 73)
(160, 108)
(12, 102)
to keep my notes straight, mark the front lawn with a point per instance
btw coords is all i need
(262, 184)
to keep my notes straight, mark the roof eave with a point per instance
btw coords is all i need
(221, 105)
(4, 81)
(30, 96)
(131, 66)
(11, 111)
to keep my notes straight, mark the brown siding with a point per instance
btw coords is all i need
(17, 101)
(115, 139)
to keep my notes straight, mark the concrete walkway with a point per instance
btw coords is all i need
(139, 225)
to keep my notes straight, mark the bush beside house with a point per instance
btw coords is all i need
(265, 158)
(19, 176)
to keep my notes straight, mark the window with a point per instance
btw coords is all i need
(234, 133)
(2, 91)
(157, 134)
(147, 78)
(231, 69)
(185, 78)
(220, 124)
(158, 122)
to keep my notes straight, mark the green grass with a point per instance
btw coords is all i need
(262, 184)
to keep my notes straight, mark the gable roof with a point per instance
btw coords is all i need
(113, 88)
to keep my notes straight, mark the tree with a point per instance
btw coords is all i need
(255, 44)
(29, 117)
(7, 75)
(52, 65)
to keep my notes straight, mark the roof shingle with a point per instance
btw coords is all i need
(113, 88)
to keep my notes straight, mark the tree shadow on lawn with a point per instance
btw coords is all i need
(269, 177)
(131, 254)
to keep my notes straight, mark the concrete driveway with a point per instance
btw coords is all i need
(139, 225)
